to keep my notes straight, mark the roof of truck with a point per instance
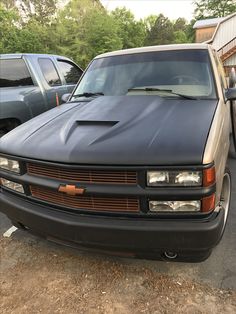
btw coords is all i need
(20, 55)
(154, 48)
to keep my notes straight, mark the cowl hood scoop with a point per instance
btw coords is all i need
(89, 127)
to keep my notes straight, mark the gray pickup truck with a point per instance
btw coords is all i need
(31, 84)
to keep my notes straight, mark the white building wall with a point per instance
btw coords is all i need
(225, 32)
(231, 61)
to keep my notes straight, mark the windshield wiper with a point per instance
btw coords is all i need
(153, 89)
(149, 89)
(87, 95)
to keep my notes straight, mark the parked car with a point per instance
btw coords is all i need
(135, 162)
(31, 84)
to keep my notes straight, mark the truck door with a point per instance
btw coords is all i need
(20, 96)
(54, 87)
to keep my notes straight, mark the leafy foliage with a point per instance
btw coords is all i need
(131, 32)
(39, 10)
(8, 29)
(161, 33)
(214, 8)
(81, 29)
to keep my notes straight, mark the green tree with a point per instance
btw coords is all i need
(98, 35)
(149, 22)
(213, 8)
(40, 10)
(16, 36)
(180, 24)
(182, 31)
(8, 29)
(82, 30)
(131, 32)
(34, 37)
(190, 31)
(180, 37)
(8, 4)
(161, 33)
(77, 9)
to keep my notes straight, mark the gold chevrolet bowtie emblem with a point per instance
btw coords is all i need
(71, 190)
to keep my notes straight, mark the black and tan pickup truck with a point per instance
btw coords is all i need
(135, 163)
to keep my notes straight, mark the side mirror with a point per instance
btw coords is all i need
(230, 94)
(65, 98)
(232, 78)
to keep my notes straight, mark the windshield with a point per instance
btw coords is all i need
(184, 72)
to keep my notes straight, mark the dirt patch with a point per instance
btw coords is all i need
(36, 278)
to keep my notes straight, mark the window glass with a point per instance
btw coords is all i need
(70, 72)
(14, 72)
(49, 71)
(186, 72)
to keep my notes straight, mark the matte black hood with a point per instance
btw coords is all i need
(122, 130)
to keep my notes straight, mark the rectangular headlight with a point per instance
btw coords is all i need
(175, 206)
(174, 178)
(12, 185)
(9, 164)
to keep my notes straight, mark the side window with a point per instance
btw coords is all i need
(49, 71)
(70, 72)
(14, 73)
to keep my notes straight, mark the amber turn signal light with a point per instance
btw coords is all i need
(208, 203)
(209, 176)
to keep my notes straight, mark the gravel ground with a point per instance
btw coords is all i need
(37, 277)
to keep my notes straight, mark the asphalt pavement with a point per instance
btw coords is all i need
(218, 271)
